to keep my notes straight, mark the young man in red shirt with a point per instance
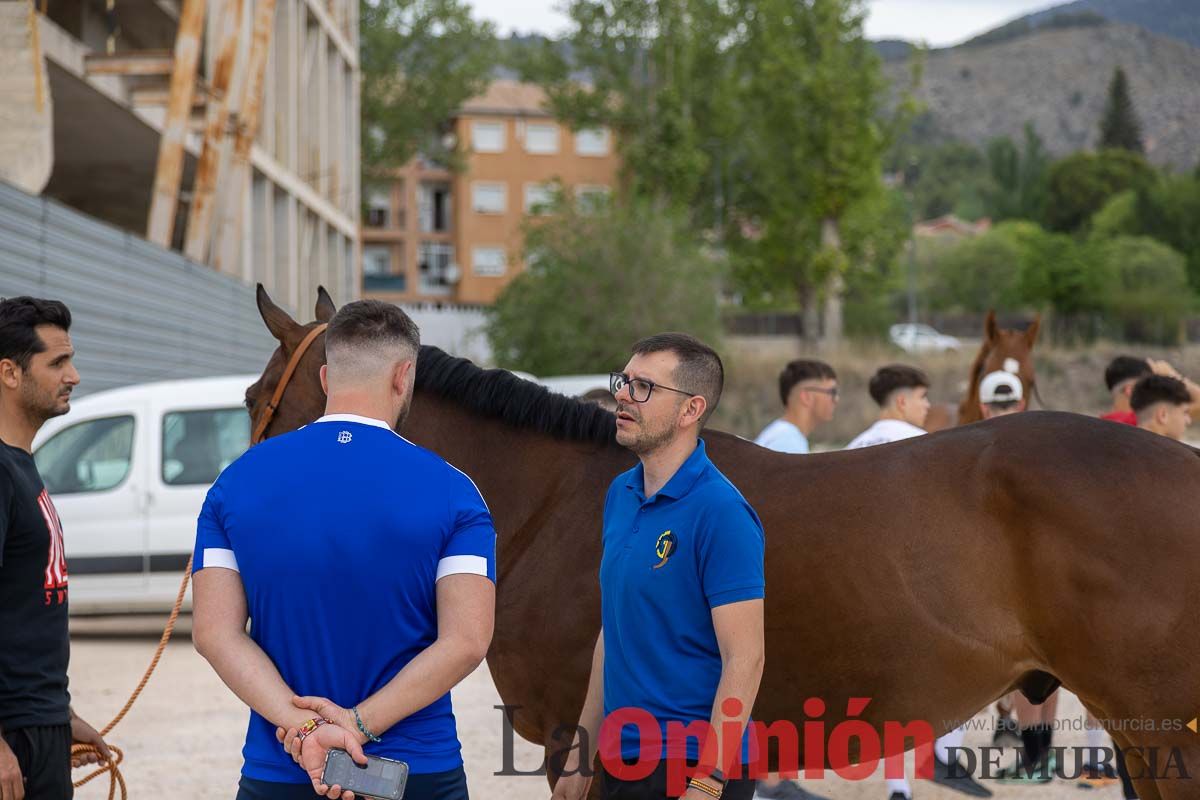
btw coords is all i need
(1125, 371)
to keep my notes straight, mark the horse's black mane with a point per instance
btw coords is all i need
(499, 394)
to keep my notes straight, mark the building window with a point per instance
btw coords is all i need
(378, 273)
(433, 207)
(541, 138)
(436, 267)
(592, 142)
(487, 137)
(489, 198)
(489, 261)
(539, 197)
(378, 206)
(377, 259)
(590, 199)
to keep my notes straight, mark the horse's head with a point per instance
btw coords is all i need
(1002, 349)
(303, 399)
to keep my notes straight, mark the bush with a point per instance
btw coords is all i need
(1081, 184)
(598, 282)
(1145, 287)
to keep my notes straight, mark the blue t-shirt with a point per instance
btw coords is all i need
(668, 561)
(340, 531)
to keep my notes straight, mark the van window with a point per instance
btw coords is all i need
(197, 445)
(91, 456)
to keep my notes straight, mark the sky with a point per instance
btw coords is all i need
(936, 22)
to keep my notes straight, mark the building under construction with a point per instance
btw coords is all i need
(226, 130)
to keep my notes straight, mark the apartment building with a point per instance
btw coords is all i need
(227, 130)
(431, 235)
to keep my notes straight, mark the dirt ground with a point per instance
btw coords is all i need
(183, 740)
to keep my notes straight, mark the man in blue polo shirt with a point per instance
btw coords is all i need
(366, 567)
(681, 582)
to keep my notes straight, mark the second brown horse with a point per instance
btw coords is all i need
(931, 575)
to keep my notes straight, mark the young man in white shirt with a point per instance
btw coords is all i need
(808, 390)
(902, 393)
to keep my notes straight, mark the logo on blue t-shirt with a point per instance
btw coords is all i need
(664, 548)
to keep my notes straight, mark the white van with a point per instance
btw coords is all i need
(128, 470)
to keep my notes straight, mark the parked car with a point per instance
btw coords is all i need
(128, 470)
(917, 338)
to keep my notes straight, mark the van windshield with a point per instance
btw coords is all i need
(91, 456)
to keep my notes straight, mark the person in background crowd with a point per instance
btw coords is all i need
(902, 393)
(1125, 371)
(808, 390)
(1000, 394)
(1162, 405)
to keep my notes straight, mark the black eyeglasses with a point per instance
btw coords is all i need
(639, 388)
(833, 393)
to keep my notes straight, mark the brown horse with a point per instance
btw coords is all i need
(931, 575)
(1001, 349)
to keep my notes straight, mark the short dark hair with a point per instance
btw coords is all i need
(1123, 368)
(1154, 389)
(890, 379)
(802, 369)
(372, 322)
(19, 316)
(700, 369)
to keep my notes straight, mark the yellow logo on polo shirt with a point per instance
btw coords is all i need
(664, 548)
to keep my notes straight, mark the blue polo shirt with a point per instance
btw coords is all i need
(340, 531)
(668, 561)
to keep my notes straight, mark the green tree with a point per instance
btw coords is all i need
(628, 270)
(420, 60)
(976, 275)
(1119, 128)
(1081, 184)
(1169, 211)
(658, 75)
(952, 178)
(1018, 188)
(1146, 287)
(813, 137)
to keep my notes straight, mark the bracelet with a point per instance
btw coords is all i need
(709, 790)
(363, 728)
(310, 727)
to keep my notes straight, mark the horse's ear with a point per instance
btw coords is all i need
(1031, 332)
(278, 322)
(325, 307)
(989, 326)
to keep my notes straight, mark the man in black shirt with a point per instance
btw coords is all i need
(37, 725)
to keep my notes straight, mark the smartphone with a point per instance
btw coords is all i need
(381, 778)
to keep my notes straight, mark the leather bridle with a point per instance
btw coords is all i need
(265, 421)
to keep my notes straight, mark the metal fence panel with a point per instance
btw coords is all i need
(141, 313)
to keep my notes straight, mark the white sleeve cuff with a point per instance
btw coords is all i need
(462, 565)
(217, 557)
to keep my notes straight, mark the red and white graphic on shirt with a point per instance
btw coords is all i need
(56, 564)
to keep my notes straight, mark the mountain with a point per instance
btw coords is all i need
(1177, 18)
(1056, 76)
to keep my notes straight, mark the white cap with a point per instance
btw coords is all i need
(1000, 387)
